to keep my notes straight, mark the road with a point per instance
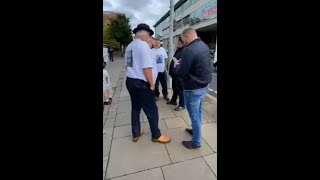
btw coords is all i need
(213, 86)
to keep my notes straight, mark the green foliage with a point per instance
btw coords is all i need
(119, 29)
(107, 39)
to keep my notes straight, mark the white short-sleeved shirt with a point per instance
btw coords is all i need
(105, 54)
(154, 67)
(138, 57)
(161, 56)
(105, 51)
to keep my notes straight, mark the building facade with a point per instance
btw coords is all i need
(198, 14)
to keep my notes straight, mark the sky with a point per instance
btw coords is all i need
(139, 11)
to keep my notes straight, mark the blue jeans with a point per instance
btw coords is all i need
(194, 100)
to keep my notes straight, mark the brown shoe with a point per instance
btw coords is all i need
(162, 139)
(137, 138)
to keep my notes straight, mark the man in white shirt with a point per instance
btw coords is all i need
(151, 43)
(161, 59)
(105, 54)
(140, 84)
(107, 88)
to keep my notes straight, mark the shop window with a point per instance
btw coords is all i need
(186, 20)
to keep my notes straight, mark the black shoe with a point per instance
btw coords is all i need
(157, 98)
(189, 145)
(179, 108)
(166, 98)
(189, 131)
(110, 99)
(172, 103)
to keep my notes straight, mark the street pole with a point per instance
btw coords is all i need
(171, 38)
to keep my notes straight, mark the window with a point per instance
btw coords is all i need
(186, 20)
(193, 1)
(187, 5)
(179, 24)
(204, 13)
(166, 31)
(178, 11)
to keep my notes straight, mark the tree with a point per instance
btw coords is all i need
(119, 29)
(107, 39)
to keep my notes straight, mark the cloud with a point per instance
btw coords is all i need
(107, 5)
(139, 11)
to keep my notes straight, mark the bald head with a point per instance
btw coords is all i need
(189, 31)
(188, 35)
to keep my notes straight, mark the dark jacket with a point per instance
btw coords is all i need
(177, 55)
(195, 67)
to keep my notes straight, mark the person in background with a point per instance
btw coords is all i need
(140, 84)
(161, 59)
(195, 69)
(177, 81)
(104, 64)
(152, 44)
(105, 55)
(111, 53)
(107, 88)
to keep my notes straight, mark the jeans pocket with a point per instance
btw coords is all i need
(141, 85)
(194, 97)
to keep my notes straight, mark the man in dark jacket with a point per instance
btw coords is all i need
(111, 53)
(195, 69)
(177, 81)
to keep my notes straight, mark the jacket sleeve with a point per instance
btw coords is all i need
(185, 63)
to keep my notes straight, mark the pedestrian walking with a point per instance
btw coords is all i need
(105, 55)
(140, 84)
(107, 88)
(161, 59)
(177, 81)
(195, 69)
(111, 50)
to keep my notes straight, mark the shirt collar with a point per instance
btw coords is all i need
(195, 40)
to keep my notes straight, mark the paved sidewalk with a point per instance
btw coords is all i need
(114, 69)
(145, 160)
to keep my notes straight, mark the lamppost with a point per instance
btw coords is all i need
(171, 38)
